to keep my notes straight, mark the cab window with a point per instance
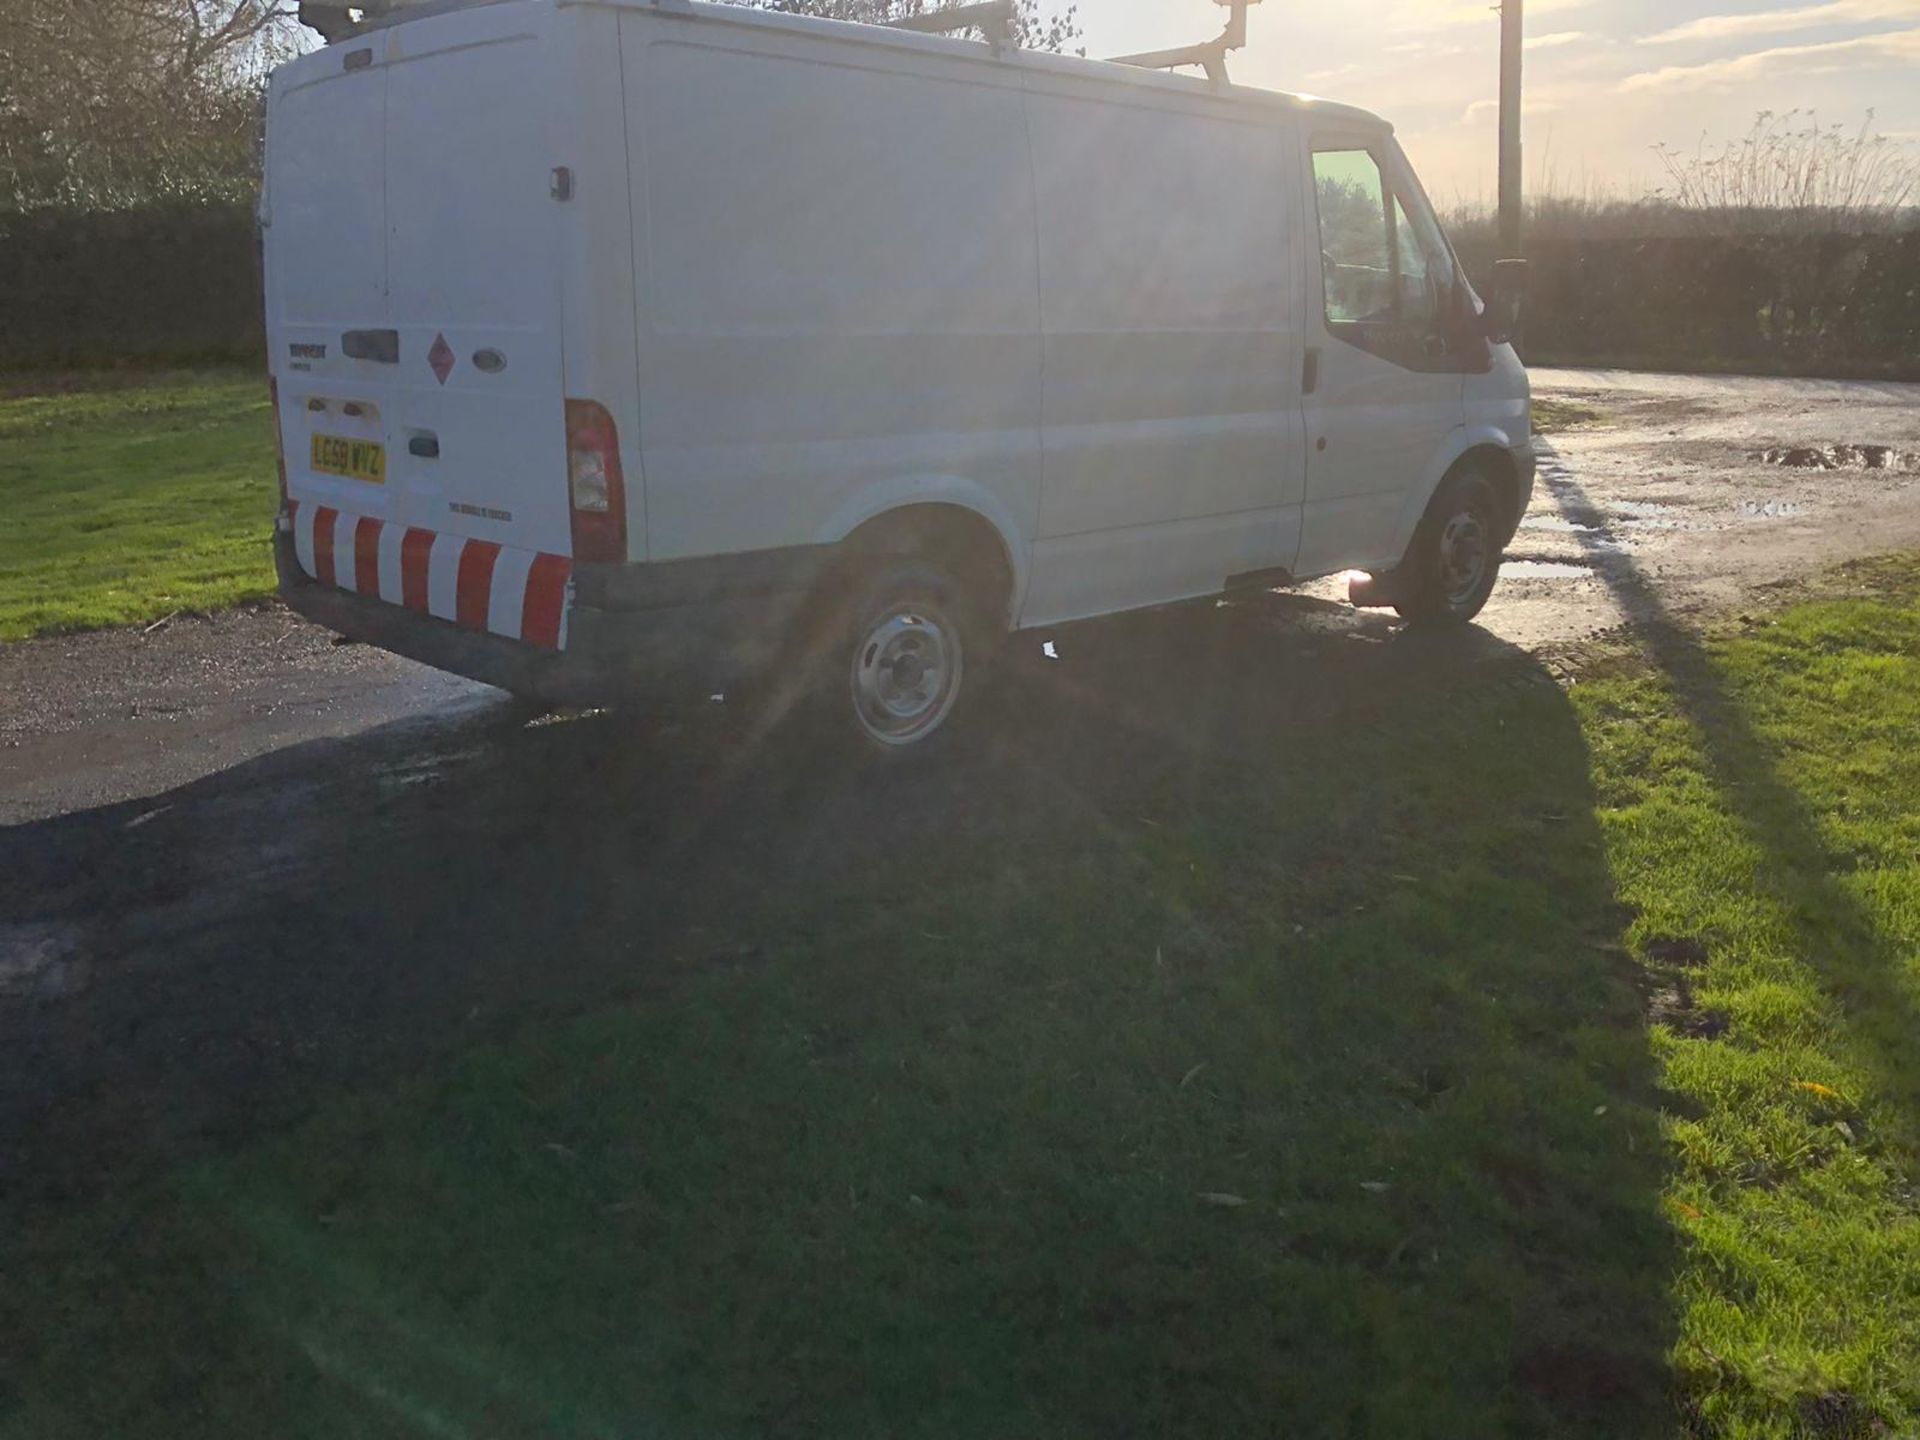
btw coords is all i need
(1386, 273)
(1356, 236)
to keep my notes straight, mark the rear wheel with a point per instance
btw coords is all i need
(1454, 560)
(900, 659)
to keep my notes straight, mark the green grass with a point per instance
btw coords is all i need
(129, 502)
(1759, 800)
(1538, 1063)
(1552, 414)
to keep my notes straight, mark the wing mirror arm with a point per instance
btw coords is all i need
(1507, 301)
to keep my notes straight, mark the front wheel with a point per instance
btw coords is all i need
(1454, 560)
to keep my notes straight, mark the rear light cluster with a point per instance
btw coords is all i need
(595, 487)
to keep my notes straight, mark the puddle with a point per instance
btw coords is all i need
(1543, 570)
(1640, 509)
(1837, 457)
(40, 961)
(1559, 525)
(421, 770)
(1649, 515)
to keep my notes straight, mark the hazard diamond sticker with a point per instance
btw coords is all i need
(440, 357)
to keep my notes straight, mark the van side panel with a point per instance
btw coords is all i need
(1171, 426)
(835, 281)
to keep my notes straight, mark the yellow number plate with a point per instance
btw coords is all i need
(355, 459)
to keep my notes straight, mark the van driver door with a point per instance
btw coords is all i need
(1383, 381)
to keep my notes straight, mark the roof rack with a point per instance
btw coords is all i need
(1209, 55)
(993, 19)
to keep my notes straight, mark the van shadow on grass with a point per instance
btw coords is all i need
(1229, 1038)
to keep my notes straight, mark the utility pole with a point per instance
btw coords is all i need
(1511, 33)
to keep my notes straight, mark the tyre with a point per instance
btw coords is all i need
(906, 654)
(1451, 567)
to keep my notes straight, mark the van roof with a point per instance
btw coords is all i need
(882, 35)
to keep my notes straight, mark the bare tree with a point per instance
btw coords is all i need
(116, 102)
(106, 103)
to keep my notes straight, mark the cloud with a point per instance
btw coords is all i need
(1901, 46)
(1780, 22)
(1557, 39)
(1439, 14)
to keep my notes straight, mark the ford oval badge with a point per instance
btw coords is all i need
(489, 361)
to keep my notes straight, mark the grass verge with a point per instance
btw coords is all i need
(1553, 414)
(128, 502)
(1534, 1063)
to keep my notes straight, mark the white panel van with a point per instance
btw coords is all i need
(621, 347)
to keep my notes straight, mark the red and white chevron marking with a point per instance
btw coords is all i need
(478, 584)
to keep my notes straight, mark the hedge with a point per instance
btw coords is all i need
(181, 283)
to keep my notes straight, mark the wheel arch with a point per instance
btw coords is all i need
(943, 517)
(1468, 445)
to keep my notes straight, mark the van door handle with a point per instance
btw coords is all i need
(1310, 370)
(426, 445)
(381, 346)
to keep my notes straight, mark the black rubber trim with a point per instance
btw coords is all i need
(1273, 578)
(701, 580)
(1466, 352)
(689, 650)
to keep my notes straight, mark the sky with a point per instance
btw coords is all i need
(1606, 80)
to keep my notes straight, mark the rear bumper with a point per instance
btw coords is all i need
(670, 630)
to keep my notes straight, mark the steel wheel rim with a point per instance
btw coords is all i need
(906, 674)
(1464, 552)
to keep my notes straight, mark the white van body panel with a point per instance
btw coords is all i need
(411, 198)
(836, 267)
(1171, 455)
(814, 274)
(598, 266)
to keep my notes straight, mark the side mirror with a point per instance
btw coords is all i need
(1504, 305)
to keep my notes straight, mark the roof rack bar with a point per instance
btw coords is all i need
(1209, 55)
(993, 19)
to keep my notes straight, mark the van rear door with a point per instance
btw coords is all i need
(414, 266)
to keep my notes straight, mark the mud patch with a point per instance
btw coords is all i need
(1841, 457)
(1674, 1006)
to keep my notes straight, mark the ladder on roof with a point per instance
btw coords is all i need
(996, 19)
